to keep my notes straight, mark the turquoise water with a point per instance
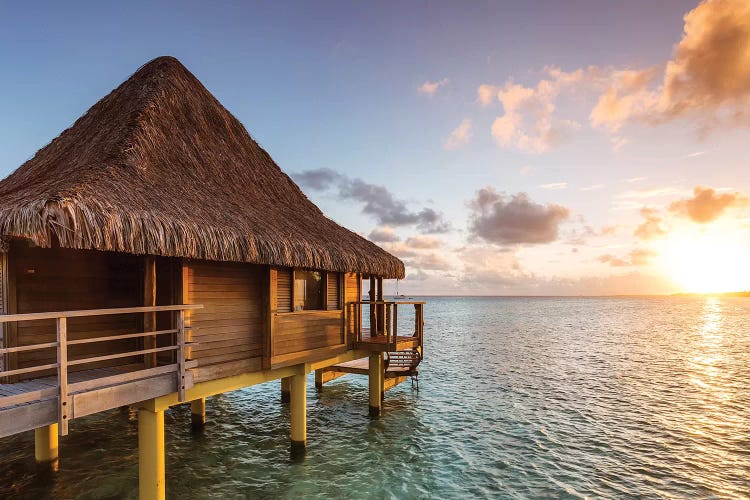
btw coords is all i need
(519, 398)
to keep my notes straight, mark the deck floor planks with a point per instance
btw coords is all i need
(74, 377)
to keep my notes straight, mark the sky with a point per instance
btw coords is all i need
(497, 148)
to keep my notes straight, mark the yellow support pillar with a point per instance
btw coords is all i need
(46, 444)
(198, 414)
(150, 454)
(286, 383)
(376, 373)
(298, 410)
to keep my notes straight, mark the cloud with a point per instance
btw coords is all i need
(430, 88)
(707, 204)
(499, 219)
(708, 76)
(429, 262)
(486, 94)
(555, 186)
(637, 257)
(592, 187)
(460, 136)
(384, 234)
(652, 226)
(423, 241)
(377, 200)
(528, 123)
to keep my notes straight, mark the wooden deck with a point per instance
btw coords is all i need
(394, 375)
(362, 367)
(46, 387)
(34, 403)
(379, 343)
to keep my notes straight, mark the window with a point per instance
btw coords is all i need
(333, 291)
(308, 290)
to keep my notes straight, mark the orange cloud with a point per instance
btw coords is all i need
(460, 136)
(651, 227)
(637, 257)
(709, 74)
(707, 204)
(431, 88)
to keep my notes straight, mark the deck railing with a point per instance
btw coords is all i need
(63, 390)
(384, 321)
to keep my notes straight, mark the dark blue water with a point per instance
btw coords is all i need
(520, 397)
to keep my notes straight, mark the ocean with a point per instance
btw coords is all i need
(518, 398)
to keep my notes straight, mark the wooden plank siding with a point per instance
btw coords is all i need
(63, 279)
(305, 331)
(230, 327)
(352, 293)
(3, 301)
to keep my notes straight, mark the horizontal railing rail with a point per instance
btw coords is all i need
(64, 390)
(384, 320)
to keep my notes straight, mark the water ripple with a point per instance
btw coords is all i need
(520, 397)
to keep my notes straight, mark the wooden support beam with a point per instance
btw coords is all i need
(286, 388)
(151, 454)
(324, 375)
(149, 299)
(46, 444)
(376, 383)
(198, 414)
(298, 412)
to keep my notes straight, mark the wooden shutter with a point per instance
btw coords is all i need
(333, 291)
(284, 291)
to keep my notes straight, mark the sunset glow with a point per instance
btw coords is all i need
(707, 261)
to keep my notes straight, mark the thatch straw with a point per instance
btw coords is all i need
(159, 167)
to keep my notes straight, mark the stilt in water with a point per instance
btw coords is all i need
(46, 449)
(298, 411)
(151, 454)
(376, 383)
(285, 389)
(198, 414)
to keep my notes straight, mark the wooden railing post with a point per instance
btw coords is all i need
(395, 325)
(181, 355)
(387, 324)
(62, 375)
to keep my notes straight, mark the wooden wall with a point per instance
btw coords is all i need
(229, 328)
(305, 331)
(3, 301)
(65, 280)
(352, 293)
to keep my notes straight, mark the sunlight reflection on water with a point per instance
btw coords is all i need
(520, 397)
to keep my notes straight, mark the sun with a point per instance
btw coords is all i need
(707, 260)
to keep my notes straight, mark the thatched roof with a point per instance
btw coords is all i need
(159, 167)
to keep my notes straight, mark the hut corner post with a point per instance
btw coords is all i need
(149, 318)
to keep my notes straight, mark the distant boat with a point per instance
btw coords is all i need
(398, 296)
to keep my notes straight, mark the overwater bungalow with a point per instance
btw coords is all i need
(154, 254)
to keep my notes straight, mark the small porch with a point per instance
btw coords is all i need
(41, 399)
(382, 333)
